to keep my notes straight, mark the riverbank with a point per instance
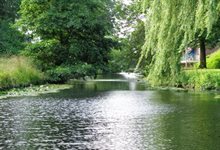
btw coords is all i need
(199, 79)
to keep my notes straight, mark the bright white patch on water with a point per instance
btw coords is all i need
(127, 2)
(108, 80)
(129, 75)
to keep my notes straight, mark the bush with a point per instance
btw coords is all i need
(61, 74)
(213, 60)
(18, 71)
(46, 54)
(202, 79)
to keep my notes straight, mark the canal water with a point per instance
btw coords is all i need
(111, 113)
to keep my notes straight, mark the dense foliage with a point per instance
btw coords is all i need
(68, 34)
(125, 56)
(171, 26)
(8, 9)
(11, 41)
(130, 30)
(208, 79)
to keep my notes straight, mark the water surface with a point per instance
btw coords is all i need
(111, 113)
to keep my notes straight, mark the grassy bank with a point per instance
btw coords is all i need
(17, 72)
(200, 79)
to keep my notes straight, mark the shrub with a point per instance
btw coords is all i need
(46, 54)
(61, 74)
(201, 79)
(213, 60)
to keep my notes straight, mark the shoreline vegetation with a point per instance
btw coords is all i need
(190, 80)
(19, 77)
(33, 90)
(200, 79)
(18, 71)
(194, 80)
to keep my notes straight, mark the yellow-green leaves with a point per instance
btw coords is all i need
(170, 27)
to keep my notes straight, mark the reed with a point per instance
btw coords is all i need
(18, 71)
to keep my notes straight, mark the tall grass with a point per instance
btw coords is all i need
(18, 71)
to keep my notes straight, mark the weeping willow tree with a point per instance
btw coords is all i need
(171, 25)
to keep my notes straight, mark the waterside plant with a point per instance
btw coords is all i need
(18, 71)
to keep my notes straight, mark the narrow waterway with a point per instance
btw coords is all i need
(111, 113)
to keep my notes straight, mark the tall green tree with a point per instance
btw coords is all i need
(69, 32)
(11, 41)
(127, 16)
(8, 9)
(171, 25)
(131, 34)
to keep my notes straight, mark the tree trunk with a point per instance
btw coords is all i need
(202, 64)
